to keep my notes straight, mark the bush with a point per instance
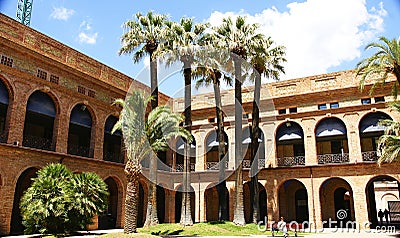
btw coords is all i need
(60, 202)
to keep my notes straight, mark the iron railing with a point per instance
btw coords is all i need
(333, 158)
(247, 163)
(292, 161)
(214, 165)
(179, 167)
(79, 150)
(369, 156)
(37, 142)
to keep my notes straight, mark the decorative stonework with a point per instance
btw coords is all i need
(324, 82)
(286, 89)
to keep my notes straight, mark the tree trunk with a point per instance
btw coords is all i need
(151, 214)
(238, 217)
(186, 217)
(223, 212)
(132, 171)
(153, 81)
(254, 149)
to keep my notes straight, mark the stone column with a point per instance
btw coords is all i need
(353, 137)
(310, 144)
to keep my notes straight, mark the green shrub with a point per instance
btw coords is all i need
(60, 202)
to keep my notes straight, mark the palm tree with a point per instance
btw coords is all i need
(239, 38)
(182, 44)
(389, 142)
(142, 38)
(211, 62)
(382, 63)
(267, 61)
(143, 136)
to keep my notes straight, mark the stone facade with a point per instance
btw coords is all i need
(305, 174)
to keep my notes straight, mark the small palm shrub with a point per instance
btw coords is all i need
(60, 202)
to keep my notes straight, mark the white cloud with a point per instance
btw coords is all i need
(62, 13)
(86, 35)
(318, 34)
(87, 38)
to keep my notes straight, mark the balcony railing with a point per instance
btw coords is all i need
(37, 142)
(292, 161)
(114, 157)
(333, 158)
(214, 165)
(79, 150)
(247, 163)
(179, 167)
(369, 156)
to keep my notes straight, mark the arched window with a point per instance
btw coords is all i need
(370, 131)
(246, 148)
(331, 137)
(212, 142)
(290, 144)
(79, 134)
(4, 100)
(179, 152)
(112, 142)
(39, 122)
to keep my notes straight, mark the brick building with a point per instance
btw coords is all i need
(317, 153)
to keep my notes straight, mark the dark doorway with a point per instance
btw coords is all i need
(178, 204)
(108, 220)
(23, 183)
(160, 204)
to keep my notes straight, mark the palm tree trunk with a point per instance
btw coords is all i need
(151, 214)
(222, 198)
(153, 81)
(254, 149)
(238, 217)
(186, 217)
(132, 171)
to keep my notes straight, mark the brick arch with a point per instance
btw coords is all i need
(371, 112)
(11, 101)
(293, 200)
(112, 218)
(370, 194)
(326, 117)
(330, 206)
(54, 97)
(88, 107)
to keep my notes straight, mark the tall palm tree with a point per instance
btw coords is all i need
(239, 38)
(142, 37)
(182, 44)
(267, 61)
(382, 63)
(212, 61)
(142, 137)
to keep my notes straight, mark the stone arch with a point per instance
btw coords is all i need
(6, 99)
(40, 117)
(112, 143)
(81, 131)
(289, 142)
(211, 150)
(178, 202)
(179, 154)
(331, 141)
(293, 201)
(108, 220)
(375, 189)
(246, 148)
(336, 196)
(24, 181)
(247, 198)
(369, 133)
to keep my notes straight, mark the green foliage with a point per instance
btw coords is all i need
(385, 61)
(60, 202)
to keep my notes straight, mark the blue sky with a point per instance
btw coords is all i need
(321, 36)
